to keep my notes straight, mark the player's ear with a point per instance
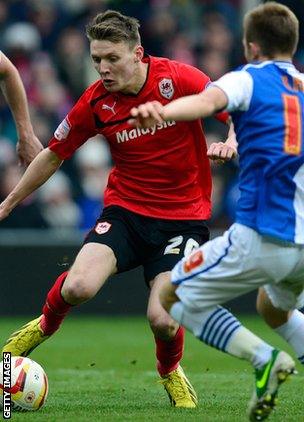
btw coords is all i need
(139, 53)
(255, 50)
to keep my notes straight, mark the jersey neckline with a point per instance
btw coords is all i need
(146, 86)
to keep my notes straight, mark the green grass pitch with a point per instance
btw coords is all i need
(102, 369)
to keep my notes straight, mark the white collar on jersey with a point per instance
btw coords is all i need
(284, 65)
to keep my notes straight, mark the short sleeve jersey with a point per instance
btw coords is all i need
(266, 101)
(161, 172)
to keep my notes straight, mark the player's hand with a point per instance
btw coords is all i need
(4, 211)
(27, 148)
(146, 115)
(219, 151)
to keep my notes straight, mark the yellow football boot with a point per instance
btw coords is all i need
(180, 391)
(23, 341)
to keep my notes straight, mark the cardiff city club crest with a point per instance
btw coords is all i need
(166, 88)
(103, 227)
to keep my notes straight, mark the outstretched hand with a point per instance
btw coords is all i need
(27, 149)
(146, 115)
(220, 151)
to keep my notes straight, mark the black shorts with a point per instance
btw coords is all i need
(155, 243)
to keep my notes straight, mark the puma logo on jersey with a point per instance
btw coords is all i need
(109, 108)
(127, 135)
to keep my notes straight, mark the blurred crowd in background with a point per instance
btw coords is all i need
(45, 39)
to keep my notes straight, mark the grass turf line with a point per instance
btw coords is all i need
(102, 369)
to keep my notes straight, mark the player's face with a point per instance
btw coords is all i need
(116, 64)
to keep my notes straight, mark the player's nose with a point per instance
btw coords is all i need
(103, 69)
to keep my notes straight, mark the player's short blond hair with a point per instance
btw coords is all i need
(274, 27)
(115, 27)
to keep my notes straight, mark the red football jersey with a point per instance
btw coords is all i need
(161, 172)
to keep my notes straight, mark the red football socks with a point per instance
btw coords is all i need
(169, 353)
(55, 308)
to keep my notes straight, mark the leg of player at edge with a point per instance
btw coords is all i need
(287, 324)
(92, 267)
(79, 285)
(169, 340)
(272, 367)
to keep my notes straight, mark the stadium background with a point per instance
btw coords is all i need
(46, 41)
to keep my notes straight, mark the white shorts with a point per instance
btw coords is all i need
(240, 261)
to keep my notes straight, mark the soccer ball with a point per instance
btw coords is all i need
(29, 384)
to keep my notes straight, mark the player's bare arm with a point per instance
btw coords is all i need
(197, 106)
(28, 145)
(38, 172)
(191, 107)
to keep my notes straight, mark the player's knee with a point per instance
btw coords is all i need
(77, 290)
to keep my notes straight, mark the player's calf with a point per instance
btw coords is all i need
(162, 325)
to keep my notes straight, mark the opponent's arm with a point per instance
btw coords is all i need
(12, 87)
(191, 107)
(197, 106)
(38, 172)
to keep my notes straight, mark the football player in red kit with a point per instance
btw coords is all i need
(158, 193)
